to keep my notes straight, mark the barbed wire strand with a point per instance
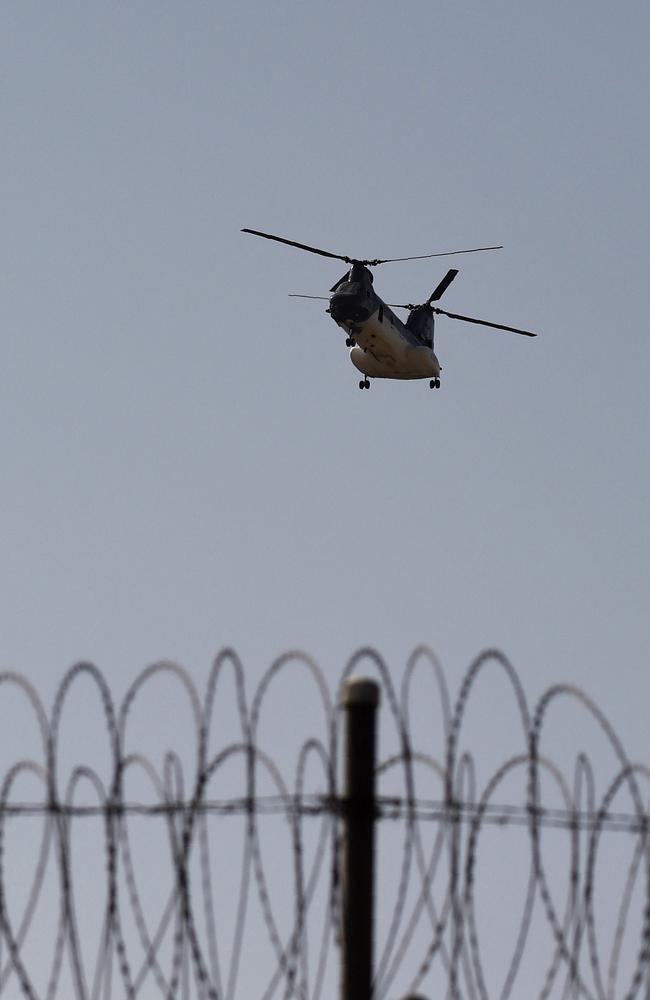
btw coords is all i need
(431, 925)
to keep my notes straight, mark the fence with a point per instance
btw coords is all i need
(196, 867)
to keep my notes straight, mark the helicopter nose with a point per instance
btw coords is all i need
(345, 308)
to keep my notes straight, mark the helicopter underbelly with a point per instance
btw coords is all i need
(382, 351)
(421, 363)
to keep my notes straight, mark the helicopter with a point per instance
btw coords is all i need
(381, 345)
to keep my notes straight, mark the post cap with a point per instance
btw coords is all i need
(360, 691)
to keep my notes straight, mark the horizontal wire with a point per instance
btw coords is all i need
(387, 808)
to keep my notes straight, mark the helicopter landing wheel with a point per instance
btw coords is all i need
(364, 383)
(434, 383)
(349, 342)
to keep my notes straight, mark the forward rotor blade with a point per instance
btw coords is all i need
(424, 256)
(301, 246)
(353, 260)
(443, 286)
(484, 322)
(297, 295)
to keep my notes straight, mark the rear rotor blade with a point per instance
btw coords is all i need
(443, 286)
(301, 246)
(484, 322)
(435, 295)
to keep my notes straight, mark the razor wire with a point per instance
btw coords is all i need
(246, 885)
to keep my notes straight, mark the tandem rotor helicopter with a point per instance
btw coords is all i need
(381, 345)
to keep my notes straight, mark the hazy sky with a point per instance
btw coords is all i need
(187, 461)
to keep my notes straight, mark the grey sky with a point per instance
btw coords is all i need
(187, 461)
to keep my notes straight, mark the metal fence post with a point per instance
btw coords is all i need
(360, 700)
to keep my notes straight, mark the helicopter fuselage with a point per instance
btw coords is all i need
(382, 345)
